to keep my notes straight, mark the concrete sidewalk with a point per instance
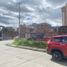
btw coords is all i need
(16, 57)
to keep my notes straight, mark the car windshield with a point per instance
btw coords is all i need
(60, 39)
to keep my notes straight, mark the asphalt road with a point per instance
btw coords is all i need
(16, 57)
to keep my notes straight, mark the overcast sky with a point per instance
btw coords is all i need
(32, 11)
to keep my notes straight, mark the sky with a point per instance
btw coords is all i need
(32, 11)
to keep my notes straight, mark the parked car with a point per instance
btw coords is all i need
(57, 47)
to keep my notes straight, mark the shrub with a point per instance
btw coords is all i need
(30, 43)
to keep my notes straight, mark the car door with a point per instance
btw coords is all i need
(56, 41)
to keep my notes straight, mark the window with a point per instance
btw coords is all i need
(57, 39)
(65, 39)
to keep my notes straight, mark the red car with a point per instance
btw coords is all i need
(57, 47)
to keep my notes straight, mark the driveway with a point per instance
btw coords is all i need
(16, 57)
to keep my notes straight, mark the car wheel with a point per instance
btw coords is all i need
(56, 55)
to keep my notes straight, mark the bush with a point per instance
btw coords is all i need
(30, 43)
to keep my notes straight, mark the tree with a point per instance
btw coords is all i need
(43, 27)
(9, 31)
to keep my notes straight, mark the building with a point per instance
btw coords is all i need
(62, 30)
(36, 31)
(64, 15)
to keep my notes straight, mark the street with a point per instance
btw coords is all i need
(16, 57)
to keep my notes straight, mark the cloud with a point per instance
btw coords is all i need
(56, 2)
(37, 10)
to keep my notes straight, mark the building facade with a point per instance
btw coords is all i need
(64, 15)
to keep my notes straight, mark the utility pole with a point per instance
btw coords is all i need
(2, 34)
(57, 29)
(19, 10)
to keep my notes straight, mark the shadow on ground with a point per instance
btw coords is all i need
(62, 62)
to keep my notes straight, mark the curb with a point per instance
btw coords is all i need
(35, 49)
(29, 48)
